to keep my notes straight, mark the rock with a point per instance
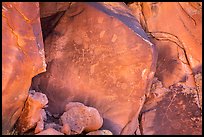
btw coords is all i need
(49, 23)
(97, 66)
(39, 127)
(22, 57)
(32, 113)
(73, 104)
(50, 131)
(100, 132)
(40, 124)
(81, 118)
(50, 13)
(177, 112)
(50, 8)
(180, 54)
(66, 129)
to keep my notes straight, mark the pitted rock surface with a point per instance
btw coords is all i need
(81, 118)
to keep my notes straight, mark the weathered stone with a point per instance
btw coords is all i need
(32, 113)
(107, 62)
(176, 112)
(50, 131)
(81, 118)
(22, 57)
(100, 132)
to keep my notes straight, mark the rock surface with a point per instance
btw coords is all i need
(22, 57)
(81, 118)
(180, 54)
(33, 114)
(96, 65)
(50, 8)
(173, 111)
(50, 131)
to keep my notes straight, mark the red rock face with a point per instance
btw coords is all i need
(22, 57)
(99, 55)
(173, 111)
(175, 29)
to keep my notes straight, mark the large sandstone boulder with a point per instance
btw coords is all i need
(176, 29)
(22, 57)
(99, 55)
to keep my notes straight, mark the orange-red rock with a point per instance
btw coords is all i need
(173, 111)
(22, 57)
(99, 55)
(176, 31)
(32, 113)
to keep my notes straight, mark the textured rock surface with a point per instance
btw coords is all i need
(96, 65)
(50, 131)
(172, 111)
(100, 132)
(81, 118)
(22, 57)
(180, 54)
(32, 113)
